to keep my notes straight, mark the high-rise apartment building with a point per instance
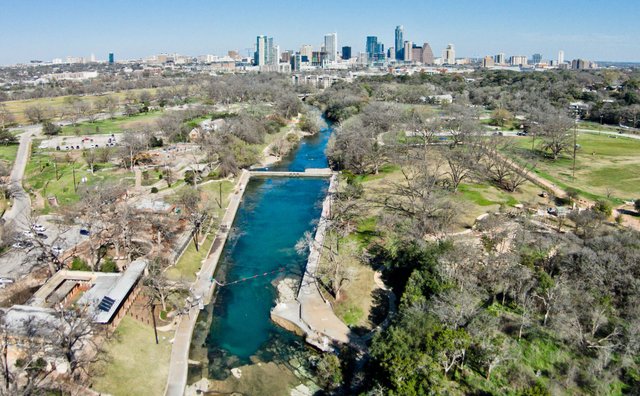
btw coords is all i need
(331, 46)
(266, 53)
(449, 55)
(500, 59)
(488, 61)
(519, 60)
(560, 57)
(399, 43)
(346, 53)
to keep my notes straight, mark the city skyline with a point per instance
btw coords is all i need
(198, 27)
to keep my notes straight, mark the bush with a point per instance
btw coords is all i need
(50, 128)
(79, 264)
(108, 265)
(636, 205)
(154, 190)
(603, 207)
(329, 371)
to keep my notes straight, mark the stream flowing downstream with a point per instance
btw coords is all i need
(275, 213)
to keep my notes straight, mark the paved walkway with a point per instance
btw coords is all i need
(203, 289)
(310, 313)
(310, 172)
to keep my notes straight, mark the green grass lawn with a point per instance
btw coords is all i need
(113, 125)
(8, 154)
(604, 164)
(137, 365)
(191, 260)
(40, 176)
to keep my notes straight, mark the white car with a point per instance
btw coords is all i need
(28, 234)
(57, 250)
(5, 281)
(38, 227)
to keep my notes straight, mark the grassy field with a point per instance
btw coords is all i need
(191, 261)
(40, 177)
(114, 125)
(606, 165)
(8, 154)
(17, 107)
(137, 365)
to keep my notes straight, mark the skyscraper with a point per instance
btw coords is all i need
(111, 58)
(406, 52)
(266, 53)
(449, 55)
(427, 54)
(331, 46)
(500, 59)
(306, 51)
(399, 42)
(560, 57)
(375, 50)
(260, 56)
(372, 43)
(346, 53)
(536, 58)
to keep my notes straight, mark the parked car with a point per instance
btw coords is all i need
(5, 281)
(38, 227)
(84, 232)
(57, 250)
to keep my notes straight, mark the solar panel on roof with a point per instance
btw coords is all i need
(106, 304)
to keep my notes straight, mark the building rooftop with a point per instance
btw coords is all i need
(112, 290)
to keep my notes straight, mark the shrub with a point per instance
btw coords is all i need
(154, 190)
(109, 265)
(79, 264)
(636, 205)
(603, 207)
(50, 128)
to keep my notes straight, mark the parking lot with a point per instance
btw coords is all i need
(65, 143)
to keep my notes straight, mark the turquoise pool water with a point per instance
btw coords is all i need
(274, 215)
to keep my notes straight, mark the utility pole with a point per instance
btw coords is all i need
(153, 317)
(575, 143)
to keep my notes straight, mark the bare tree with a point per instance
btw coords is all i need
(6, 117)
(552, 125)
(37, 113)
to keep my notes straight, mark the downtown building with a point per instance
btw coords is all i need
(331, 47)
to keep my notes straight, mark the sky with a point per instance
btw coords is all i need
(47, 29)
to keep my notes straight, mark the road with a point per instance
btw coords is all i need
(20, 210)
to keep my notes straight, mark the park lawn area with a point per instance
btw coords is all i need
(605, 165)
(191, 260)
(40, 177)
(112, 125)
(137, 365)
(17, 107)
(356, 298)
(476, 199)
